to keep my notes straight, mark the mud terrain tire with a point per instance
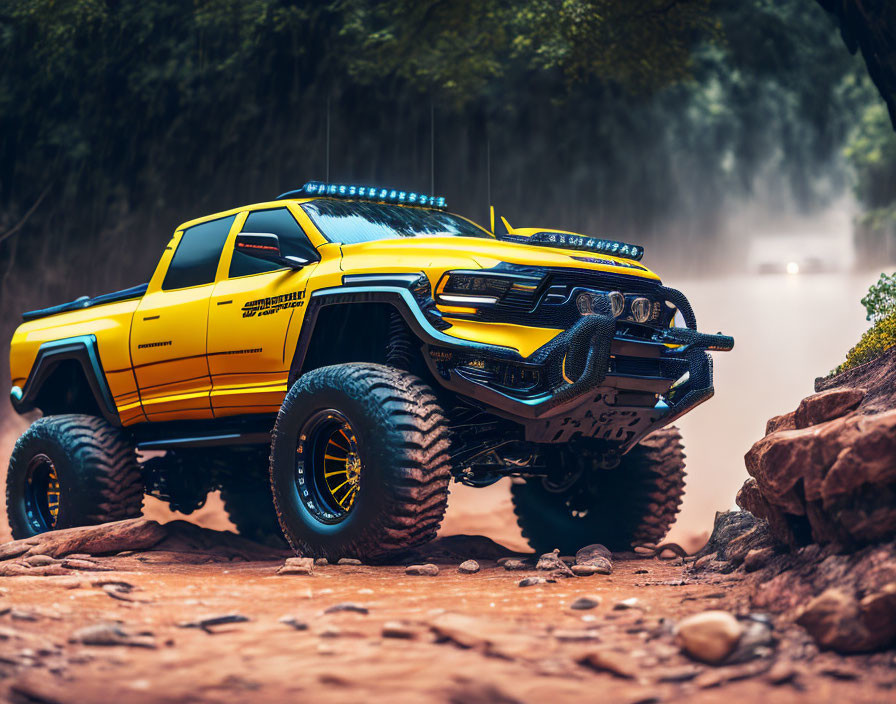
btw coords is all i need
(633, 504)
(94, 469)
(402, 443)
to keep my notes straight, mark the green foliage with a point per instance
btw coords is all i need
(872, 153)
(880, 301)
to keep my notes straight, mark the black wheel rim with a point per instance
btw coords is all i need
(42, 493)
(328, 466)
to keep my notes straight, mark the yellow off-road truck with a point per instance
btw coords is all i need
(331, 359)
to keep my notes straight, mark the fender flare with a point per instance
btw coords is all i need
(82, 349)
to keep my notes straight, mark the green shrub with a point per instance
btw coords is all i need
(880, 301)
(874, 342)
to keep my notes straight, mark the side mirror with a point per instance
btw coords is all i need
(265, 246)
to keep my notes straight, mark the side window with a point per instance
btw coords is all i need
(293, 241)
(196, 259)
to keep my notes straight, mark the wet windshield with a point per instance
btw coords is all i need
(350, 222)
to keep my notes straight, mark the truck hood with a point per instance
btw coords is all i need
(422, 253)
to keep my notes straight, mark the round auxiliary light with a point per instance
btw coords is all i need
(641, 310)
(584, 304)
(617, 303)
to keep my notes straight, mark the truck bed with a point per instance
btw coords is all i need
(87, 302)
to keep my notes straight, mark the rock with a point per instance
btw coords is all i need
(468, 567)
(513, 564)
(22, 615)
(574, 636)
(827, 405)
(347, 606)
(112, 634)
(303, 566)
(605, 660)
(551, 562)
(586, 570)
(427, 570)
(704, 561)
(348, 561)
(782, 422)
(837, 621)
(210, 622)
(397, 629)
(734, 534)
(710, 636)
(756, 641)
(103, 539)
(584, 603)
(321, 561)
(39, 561)
(630, 603)
(782, 672)
(757, 558)
(295, 622)
(587, 555)
(531, 581)
(85, 565)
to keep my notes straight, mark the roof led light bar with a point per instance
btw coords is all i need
(371, 193)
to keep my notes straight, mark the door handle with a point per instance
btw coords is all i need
(224, 303)
(151, 317)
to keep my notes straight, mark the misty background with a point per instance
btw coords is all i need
(727, 136)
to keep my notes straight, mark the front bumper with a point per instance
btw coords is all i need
(599, 379)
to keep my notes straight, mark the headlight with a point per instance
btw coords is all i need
(479, 288)
(641, 310)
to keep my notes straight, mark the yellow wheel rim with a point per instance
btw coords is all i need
(342, 467)
(53, 493)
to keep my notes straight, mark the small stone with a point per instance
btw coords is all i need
(303, 566)
(347, 606)
(295, 622)
(399, 630)
(39, 561)
(514, 565)
(208, 623)
(321, 561)
(583, 603)
(574, 636)
(626, 604)
(710, 636)
(605, 660)
(112, 634)
(782, 672)
(348, 561)
(22, 615)
(585, 555)
(427, 570)
(468, 567)
(532, 581)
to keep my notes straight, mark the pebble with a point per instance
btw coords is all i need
(572, 636)
(588, 553)
(397, 629)
(630, 603)
(583, 603)
(321, 561)
(586, 570)
(610, 661)
(710, 636)
(206, 624)
(427, 570)
(303, 566)
(295, 622)
(348, 561)
(468, 567)
(514, 564)
(112, 634)
(347, 606)
(532, 581)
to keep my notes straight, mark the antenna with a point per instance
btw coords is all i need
(432, 145)
(491, 217)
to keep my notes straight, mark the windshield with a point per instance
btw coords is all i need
(350, 222)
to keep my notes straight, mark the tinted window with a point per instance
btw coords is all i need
(293, 242)
(196, 259)
(350, 222)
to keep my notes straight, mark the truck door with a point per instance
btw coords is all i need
(168, 333)
(251, 310)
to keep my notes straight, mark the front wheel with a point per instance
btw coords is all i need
(71, 470)
(359, 462)
(633, 504)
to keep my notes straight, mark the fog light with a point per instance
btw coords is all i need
(641, 310)
(617, 303)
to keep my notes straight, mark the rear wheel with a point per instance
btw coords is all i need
(71, 470)
(359, 463)
(633, 504)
